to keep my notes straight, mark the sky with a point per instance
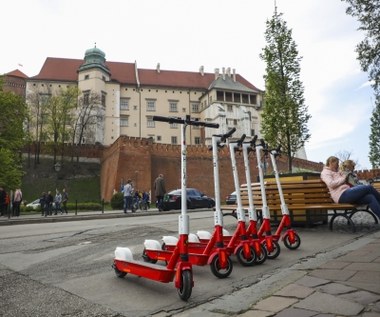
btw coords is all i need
(184, 35)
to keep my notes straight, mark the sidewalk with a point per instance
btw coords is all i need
(72, 216)
(343, 282)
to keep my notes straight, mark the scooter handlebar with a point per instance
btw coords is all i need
(225, 136)
(187, 120)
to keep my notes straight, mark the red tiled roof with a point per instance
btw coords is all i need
(17, 73)
(63, 69)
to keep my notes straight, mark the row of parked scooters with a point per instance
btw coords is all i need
(252, 244)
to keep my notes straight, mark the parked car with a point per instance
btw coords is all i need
(231, 199)
(195, 199)
(35, 204)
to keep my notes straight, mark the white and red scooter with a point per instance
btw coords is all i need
(178, 267)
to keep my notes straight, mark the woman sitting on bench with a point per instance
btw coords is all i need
(342, 192)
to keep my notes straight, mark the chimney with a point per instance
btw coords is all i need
(234, 74)
(216, 73)
(202, 70)
(158, 67)
(224, 73)
(229, 71)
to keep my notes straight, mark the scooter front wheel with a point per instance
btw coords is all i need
(243, 260)
(260, 258)
(275, 252)
(295, 244)
(186, 287)
(217, 270)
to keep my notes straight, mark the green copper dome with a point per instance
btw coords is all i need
(94, 57)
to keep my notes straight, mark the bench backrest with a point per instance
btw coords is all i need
(297, 193)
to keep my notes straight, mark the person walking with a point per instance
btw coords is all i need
(160, 190)
(57, 202)
(3, 195)
(17, 199)
(127, 192)
(65, 198)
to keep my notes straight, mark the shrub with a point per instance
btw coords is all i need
(117, 201)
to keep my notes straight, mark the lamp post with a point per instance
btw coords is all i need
(57, 168)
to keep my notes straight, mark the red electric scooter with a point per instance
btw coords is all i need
(261, 253)
(213, 252)
(239, 243)
(290, 237)
(265, 232)
(178, 267)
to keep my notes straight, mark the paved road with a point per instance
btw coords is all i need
(64, 268)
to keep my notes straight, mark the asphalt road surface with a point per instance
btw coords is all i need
(64, 268)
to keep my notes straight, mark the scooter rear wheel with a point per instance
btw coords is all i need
(295, 244)
(217, 270)
(241, 258)
(119, 273)
(186, 287)
(146, 258)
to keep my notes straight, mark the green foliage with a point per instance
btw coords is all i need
(13, 115)
(368, 14)
(117, 201)
(374, 139)
(284, 116)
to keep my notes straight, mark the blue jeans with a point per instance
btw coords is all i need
(362, 194)
(127, 203)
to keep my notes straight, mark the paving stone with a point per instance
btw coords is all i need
(334, 275)
(335, 288)
(372, 267)
(324, 315)
(256, 313)
(326, 303)
(370, 287)
(295, 290)
(362, 297)
(310, 281)
(370, 314)
(295, 312)
(366, 277)
(274, 303)
(335, 264)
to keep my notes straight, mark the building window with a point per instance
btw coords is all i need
(173, 106)
(253, 100)
(124, 103)
(245, 98)
(149, 122)
(86, 76)
(173, 125)
(103, 99)
(150, 105)
(197, 140)
(174, 140)
(124, 121)
(86, 98)
(237, 97)
(159, 138)
(220, 95)
(195, 107)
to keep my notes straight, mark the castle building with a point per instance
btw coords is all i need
(129, 97)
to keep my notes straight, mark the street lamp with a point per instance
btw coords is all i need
(57, 167)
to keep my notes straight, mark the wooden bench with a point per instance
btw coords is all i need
(308, 201)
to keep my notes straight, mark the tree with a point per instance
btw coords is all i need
(368, 14)
(374, 138)
(87, 117)
(284, 116)
(12, 136)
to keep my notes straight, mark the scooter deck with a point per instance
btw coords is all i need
(148, 270)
